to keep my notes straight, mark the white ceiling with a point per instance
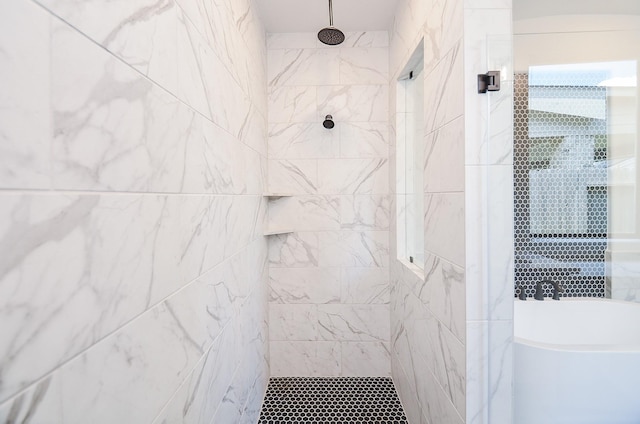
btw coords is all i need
(377, 15)
(525, 9)
(313, 15)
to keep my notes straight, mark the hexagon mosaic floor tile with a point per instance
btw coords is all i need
(361, 400)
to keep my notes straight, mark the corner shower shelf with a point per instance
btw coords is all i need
(274, 232)
(277, 230)
(276, 195)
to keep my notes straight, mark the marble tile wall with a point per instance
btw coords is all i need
(133, 156)
(329, 279)
(451, 325)
(428, 308)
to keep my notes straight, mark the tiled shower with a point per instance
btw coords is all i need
(329, 280)
(146, 147)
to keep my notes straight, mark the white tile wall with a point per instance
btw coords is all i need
(133, 161)
(329, 280)
(446, 325)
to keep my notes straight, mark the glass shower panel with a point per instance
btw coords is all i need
(575, 156)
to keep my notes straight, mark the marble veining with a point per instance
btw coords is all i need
(24, 121)
(133, 154)
(332, 272)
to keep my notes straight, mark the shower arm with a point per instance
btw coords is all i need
(330, 13)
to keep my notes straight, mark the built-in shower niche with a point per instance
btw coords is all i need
(571, 125)
(410, 148)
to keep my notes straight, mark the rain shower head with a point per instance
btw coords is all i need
(331, 35)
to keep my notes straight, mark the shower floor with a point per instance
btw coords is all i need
(331, 400)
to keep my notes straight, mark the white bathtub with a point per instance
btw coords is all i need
(576, 362)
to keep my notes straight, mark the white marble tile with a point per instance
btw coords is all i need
(199, 396)
(365, 359)
(366, 39)
(364, 65)
(408, 23)
(365, 285)
(120, 254)
(436, 405)
(253, 406)
(252, 370)
(217, 162)
(407, 312)
(489, 365)
(191, 85)
(235, 398)
(298, 176)
(304, 285)
(399, 43)
(353, 249)
(406, 394)
(288, 104)
(405, 273)
(214, 20)
(353, 176)
(213, 299)
(302, 141)
(443, 292)
(443, 29)
(295, 250)
(303, 67)
(305, 359)
(254, 133)
(353, 322)
(196, 12)
(354, 103)
(291, 40)
(306, 213)
(443, 93)
(432, 356)
(113, 128)
(444, 158)
(365, 212)
(39, 403)
(444, 229)
(136, 358)
(204, 82)
(141, 33)
(25, 127)
(449, 363)
(364, 139)
(293, 322)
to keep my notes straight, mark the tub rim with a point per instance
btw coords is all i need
(578, 348)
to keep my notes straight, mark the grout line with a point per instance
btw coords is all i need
(120, 193)
(125, 324)
(52, 14)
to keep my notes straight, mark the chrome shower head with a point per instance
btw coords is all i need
(331, 35)
(328, 122)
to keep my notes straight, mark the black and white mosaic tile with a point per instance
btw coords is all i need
(361, 400)
(560, 184)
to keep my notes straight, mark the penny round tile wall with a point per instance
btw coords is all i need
(560, 177)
